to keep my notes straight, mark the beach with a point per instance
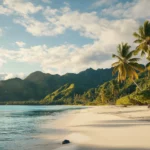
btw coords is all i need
(101, 128)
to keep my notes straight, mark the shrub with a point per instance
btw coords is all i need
(123, 101)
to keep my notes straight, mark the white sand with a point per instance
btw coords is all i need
(104, 128)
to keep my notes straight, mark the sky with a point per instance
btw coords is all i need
(61, 36)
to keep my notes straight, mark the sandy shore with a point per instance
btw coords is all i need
(103, 128)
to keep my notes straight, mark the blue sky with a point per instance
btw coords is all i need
(60, 36)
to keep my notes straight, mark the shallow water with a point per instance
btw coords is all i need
(19, 125)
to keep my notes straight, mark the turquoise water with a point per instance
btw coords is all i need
(19, 125)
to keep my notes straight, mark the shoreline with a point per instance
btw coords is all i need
(102, 128)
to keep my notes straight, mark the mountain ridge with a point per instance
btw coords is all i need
(38, 84)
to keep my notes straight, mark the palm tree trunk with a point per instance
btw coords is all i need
(137, 85)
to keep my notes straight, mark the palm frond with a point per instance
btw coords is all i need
(143, 47)
(137, 66)
(147, 28)
(148, 66)
(136, 35)
(134, 59)
(119, 50)
(125, 49)
(138, 41)
(137, 50)
(115, 69)
(141, 32)
(115, 64)
(129, 55)
(143, 38)
(115, 56)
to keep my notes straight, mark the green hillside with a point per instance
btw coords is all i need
(113, 92)
(64, 95)
(137, 97)
(86, 88)
(37, 85)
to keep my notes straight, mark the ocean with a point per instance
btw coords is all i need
(19, 125)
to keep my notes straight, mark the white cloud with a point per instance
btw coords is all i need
(119, 10)
(91, 26)
(106, 34)
(118, 31)
(64, 58)
(49, 11)
(60, 20)
(5, 10)
(135, 9)
(20, 43)
(21, 7)
(87, 24)
(50, 27)
(6, 76)
(38, 28)
(139, 10)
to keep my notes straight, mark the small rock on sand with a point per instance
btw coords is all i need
(66, 142)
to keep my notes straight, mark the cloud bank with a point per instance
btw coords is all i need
(106, 33)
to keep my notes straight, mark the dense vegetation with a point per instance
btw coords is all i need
(111, 92)
(64, 95)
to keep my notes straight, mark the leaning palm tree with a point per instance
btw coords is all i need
(126, 66)
(143, 39)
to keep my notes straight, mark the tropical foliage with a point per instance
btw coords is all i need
(126, 66)
(143, 39)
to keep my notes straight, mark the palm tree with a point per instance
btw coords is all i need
(143, 39)
(126, 66)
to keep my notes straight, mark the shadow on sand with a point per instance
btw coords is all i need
(116, 123)
(122, 111)
(109, 148)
